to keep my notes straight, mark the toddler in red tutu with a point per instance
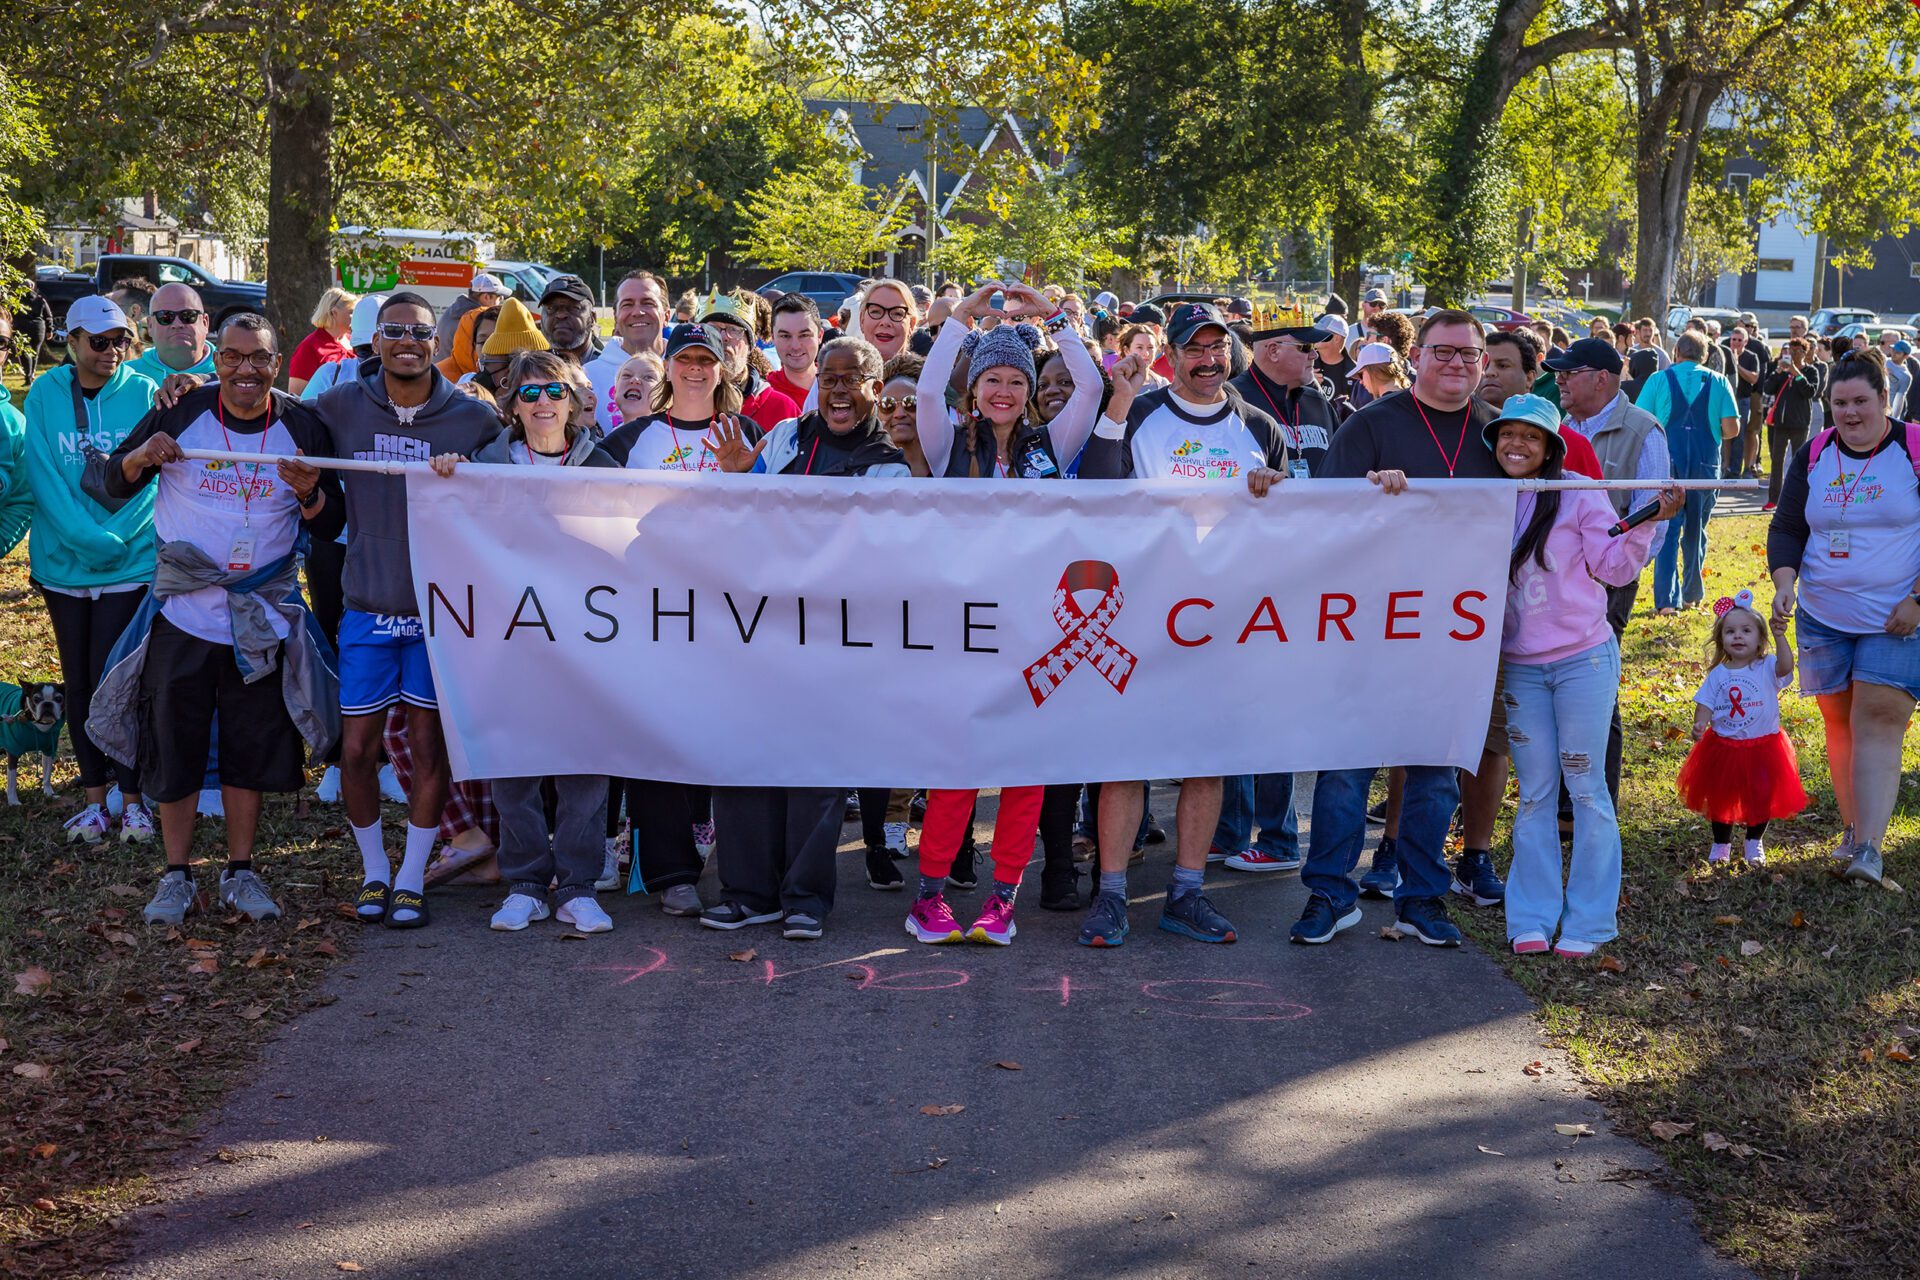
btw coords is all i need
(1742, 768)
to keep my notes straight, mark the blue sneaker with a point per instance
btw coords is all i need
(1192, 916)
(1475, 879)
(1319, 922)
(1106, 924)
(1384, 877)
(1426, 919)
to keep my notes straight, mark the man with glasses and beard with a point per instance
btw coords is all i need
(1197, 428)
(176, 335)
(1432, 432)
(731, 317)
(227, 534)
(397, 408)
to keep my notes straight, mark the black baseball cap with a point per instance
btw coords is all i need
(1189, 318)
(1147, 313)
(704, 336)
(1587, 353)
(568, 286)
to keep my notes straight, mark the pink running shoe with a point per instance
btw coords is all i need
(931, 920)
(995, 924)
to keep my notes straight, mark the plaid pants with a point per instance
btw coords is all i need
(469, 804)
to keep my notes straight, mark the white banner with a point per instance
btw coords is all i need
(796, 631)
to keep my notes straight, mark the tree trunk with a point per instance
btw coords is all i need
(300, 203)
(1350, 219)
(1819, 298)
(1458, 195)
(1668, 138)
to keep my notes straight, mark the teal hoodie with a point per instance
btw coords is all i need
(76, 543)
(16, 495)
(148, 364)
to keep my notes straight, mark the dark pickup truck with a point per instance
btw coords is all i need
(62, 290)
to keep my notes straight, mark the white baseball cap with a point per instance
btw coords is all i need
(485, 282)
(366, 314)
(96, 314)
(1335, 325)
(1370, 354)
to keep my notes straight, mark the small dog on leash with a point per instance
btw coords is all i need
(31, 714)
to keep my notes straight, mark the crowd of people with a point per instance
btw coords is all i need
(193, 666)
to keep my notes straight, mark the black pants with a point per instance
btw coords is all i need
(84, 632)
(1056, 835)
(1782, 443)
(325, 563)
(777, 846)
(662, 814)
(1723, 832)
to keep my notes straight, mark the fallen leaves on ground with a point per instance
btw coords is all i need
(742, 956)
(1668, 1130)
(948, 1109)
(1007, 1064)
(1612, 964)
(1752, 948)
(1391, 934)
(32, 1070)
(1574, 1130)
(32, 981)
(1489, 1151)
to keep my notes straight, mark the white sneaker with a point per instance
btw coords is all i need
(584, 914)
(390, 788)
(328, 791)
(897, 839)
(211, 805)
(609, 867)
(519, 911)
(136, 825)
(89, 826)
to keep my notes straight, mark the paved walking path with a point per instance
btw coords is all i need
(642, 1104)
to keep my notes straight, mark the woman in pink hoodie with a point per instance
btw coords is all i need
(1562, 667)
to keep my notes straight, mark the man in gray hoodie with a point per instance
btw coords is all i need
(398, 408)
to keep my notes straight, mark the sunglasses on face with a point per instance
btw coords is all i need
(235, 359)
(890, 403)
(395, 332)
(6, 342)
(531, 393)
(189, 315)
(109, 342)
(874, 311)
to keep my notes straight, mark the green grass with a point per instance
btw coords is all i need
(1785, 1051)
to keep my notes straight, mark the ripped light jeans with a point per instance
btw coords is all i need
(1558, 714)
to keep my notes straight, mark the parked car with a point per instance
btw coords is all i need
(1827, 321)
(1166, 302)
(1848, 332)
(1564, 314)
(1913, 321)
(1678, 316)
(828, 289)
(524, 280)
(65, 288)
(1502, 318)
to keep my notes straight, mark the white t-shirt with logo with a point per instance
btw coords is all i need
(1744, 702)
(1188, 441)
(1872, 505)
(659, 444)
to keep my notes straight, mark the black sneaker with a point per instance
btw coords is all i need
(881, 873)
(1060, 889)
(1475, 879)
(800, 927)
(962, 875)
(1384, 876)
(1377, 816)
(1426, 919)
(1156, 834)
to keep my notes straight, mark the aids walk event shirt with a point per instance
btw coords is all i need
(1166, 436)
(1744, 703)
(661, 443)
(218, 506)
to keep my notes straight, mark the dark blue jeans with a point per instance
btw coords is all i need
(1685, 543)
(1340, 832)
(1258, 800)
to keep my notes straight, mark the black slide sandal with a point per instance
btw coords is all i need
(372, 893)
(406, 900)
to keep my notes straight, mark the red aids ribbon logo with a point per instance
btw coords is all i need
(1086, 633)
(1733, 696)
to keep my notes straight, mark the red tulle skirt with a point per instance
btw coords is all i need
(1743, 780)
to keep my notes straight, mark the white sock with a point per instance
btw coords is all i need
(413, 867)
(373, 853)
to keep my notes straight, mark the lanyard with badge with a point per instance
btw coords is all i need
(240, 553)
(1298, 467)
(1840, 538)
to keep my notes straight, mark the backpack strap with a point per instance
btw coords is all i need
(1818, 446)
(1825, 437)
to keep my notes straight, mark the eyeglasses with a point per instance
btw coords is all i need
(890, 403)
(1442, 353)
(418, 332)
(109, 342)
(188, 315)
(1212, 349)
(531, 393)
(874, 311)
(235, 359)
(841, 379)
(6, 342)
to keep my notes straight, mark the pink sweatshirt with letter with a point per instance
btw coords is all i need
(1557, 612)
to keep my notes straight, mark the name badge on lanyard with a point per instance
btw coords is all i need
(240, 554)
(1839, 544)
(1039, 465)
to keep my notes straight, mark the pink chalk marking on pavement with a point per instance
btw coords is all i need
(894, 982)
(633, 972)
(1282, 1010)
(1064, 990)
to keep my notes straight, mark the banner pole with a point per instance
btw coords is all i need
(397, 468)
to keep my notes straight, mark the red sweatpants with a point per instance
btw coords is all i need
(1013, 830)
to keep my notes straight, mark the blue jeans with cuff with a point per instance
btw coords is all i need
(1263, 800)
(1340, 833)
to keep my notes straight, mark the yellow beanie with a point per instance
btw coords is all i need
(515, 331)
